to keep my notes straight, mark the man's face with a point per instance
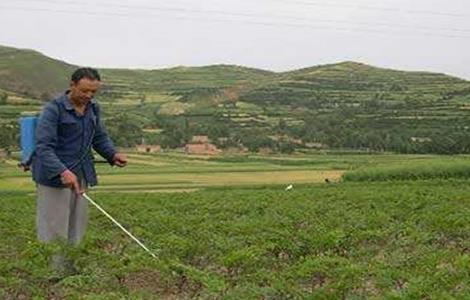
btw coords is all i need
(84, 90)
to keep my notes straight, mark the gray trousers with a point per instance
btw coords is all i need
(61, 215)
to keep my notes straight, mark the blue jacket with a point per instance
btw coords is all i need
(62, 138)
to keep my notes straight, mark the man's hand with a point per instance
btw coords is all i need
(70, 180)
(120, 160)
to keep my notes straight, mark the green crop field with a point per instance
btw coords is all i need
(225, 228)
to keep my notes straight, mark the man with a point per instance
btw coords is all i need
(63, 168)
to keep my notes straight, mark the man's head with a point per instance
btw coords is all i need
(84, 83)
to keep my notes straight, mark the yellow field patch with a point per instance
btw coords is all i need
(174, 108)
(226, 178)
(152, 191)
(174, 180)
(153, 186)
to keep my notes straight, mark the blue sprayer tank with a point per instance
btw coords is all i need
(28, 134)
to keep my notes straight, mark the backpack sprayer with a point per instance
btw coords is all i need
(28, 143)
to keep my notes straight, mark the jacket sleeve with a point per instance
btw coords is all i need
(101, 141)
(47, 139)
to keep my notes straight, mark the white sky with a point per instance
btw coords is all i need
(432, 35)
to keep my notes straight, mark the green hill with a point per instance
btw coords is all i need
(350, 82)
(343, 105)
(32, 74)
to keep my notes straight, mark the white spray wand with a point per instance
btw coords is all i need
(119, 225)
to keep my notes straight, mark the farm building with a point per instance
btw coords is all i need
(207, 148)
(200, 145)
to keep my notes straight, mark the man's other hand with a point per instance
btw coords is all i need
(120, 160)
(69, 179)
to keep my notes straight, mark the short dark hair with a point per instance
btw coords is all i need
(89, 73)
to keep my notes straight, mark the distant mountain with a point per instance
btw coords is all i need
(352, 82)
(33, 74)
(358, 76)
(342, 105)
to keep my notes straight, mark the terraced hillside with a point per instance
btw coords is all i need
(355, 105)
(355, 83)
(344, 105)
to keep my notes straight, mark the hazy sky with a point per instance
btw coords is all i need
(278, 35)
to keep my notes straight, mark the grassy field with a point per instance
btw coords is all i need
(443, 168)
(226, 228)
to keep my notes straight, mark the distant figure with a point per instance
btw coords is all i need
(62, 167)
(327, 180)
